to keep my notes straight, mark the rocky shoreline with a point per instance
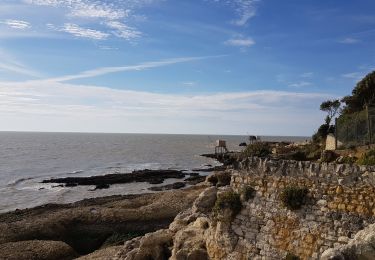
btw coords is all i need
(67, 231)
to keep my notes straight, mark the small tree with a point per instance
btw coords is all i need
(332, 108)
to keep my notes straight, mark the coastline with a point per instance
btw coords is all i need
(102, 222)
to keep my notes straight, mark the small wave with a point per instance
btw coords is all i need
(75, 172)
(18, 181)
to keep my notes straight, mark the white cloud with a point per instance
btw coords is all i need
(300, 84)
(123, 31)
(240, 42)
(97, 13)
(80, 107)
(17, 24)
(349, 41)
(85, 8)
(83, 32)
(189, 83)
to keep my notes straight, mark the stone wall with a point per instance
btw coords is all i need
(340, 203)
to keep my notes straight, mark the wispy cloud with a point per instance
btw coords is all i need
(300, 84)
(245, 10)
(142, 66)
(121, 30)
(240, 42)
(16, 24)
(80, 14)
(85, 9)
(10, 64)
(307, 75)
(189, 83)
(349, 41)
(78, 31)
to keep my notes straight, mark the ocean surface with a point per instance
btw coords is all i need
(28, 158)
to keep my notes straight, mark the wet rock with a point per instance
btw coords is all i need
(150, 176)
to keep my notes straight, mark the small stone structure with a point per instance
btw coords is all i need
(340, 203)
(221, 147)
(330, 142)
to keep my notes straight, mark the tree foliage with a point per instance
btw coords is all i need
(362, 95)
(332, 108)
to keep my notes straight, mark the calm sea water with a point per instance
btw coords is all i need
(28, 158)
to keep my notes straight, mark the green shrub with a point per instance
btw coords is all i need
(291, 256)
(248, 193)
(294, 197)
(368, 158)
(260, 149)
(223, 179)
(228, 200)
(347, 159)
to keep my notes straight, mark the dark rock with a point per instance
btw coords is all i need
(242, 144)
(173, 186)
(102, 186)
(192, 180)
(69, 184)
(150, 176)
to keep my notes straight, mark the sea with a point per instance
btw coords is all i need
(27, 158)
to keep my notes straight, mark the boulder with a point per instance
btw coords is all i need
(36, 250)
(205, 201)
(152, 246)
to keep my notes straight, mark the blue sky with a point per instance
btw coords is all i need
(160, 66)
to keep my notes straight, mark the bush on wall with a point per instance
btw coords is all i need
(294, 197)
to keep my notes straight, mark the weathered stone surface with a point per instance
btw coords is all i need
(87, 224)
(36, 250)
(362, 246)
(205, 201)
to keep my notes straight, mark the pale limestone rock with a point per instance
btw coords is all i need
(362, 246)
(205, 201)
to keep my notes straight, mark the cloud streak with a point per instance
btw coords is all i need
(142, 66)
(17, 24)
(349, 41)
(240, 42)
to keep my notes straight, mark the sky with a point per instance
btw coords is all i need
(183, 67)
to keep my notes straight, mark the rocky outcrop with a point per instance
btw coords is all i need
(36, 250)
(150, 176)
(362, 246)
(88, 224)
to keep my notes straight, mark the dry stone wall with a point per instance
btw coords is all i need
(340, 203)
